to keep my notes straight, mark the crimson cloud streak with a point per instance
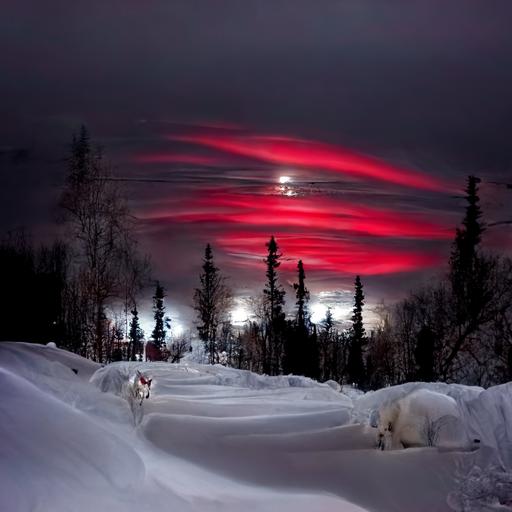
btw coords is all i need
(314, 155)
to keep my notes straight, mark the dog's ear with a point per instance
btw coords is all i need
(149, 382)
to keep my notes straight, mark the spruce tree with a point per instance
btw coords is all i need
(302, 295)
(211, 302)
(328, 322)
(162, 322)
(464, 261)
(300, 352)
(136, 336)
(470, 277)
(355, 363)
(274, 301)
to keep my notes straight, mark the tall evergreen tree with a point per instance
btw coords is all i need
(136, 336)
(472, 284)
(302, 295)
(355, 363)
(464, 261)
(211, 302)
(300, 351)
(162, 322)
(326, 345)
(275, 318)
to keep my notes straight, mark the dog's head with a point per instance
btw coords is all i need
(144, 380)
(387, 418)
(384, 433)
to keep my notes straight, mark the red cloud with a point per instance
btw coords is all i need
(328, 254)
(316, 215)
(313, 155)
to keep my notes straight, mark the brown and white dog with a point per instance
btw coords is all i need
(141, 387)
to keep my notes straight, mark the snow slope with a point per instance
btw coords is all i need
(217, 439)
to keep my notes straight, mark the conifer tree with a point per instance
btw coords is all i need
(302, 295)
(299, 345)
(355, 363)
(473, 287)
(275, 319)
(211, 302)
(162, 322)
(136, 336)
(326, 345)
(464, 261)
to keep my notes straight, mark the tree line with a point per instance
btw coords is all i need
(84, 294)
(272, 342)
(458, 328)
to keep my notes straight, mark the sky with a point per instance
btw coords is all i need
(345, 128)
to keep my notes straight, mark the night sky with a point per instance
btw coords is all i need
(344, 128)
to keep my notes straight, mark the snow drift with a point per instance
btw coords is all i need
(214, 438)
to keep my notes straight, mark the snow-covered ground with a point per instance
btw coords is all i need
(216, 439)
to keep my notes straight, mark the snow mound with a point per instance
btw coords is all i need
(212, 438)
(45, 440)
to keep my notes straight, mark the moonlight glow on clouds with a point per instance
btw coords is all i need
(313, 155)
(339, 235)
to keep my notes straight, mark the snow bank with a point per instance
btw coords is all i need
(68, 445)
(212, 438)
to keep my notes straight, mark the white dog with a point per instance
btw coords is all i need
(141, 386)
(421, 418)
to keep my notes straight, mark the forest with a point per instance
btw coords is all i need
(83, 292)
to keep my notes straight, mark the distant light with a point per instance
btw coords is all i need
(340, 313)
(318, 312)
(177, 329)
(284, 179)
(239, 315)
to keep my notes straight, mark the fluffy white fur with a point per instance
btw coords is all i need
(421, 418)
(140, 386)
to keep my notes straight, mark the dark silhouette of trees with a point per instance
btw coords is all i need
(424, 354)
(33, 298)
(211, 302)
(102, 230)
(178, 348)
(136, 337)
(355, 363)
(469, 276)
(162, 322)
(274, 315)
(302, 295)
(300, 341)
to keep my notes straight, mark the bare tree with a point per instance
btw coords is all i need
(102, 228)
(178, 348)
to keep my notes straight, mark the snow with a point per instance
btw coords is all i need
(212, 438)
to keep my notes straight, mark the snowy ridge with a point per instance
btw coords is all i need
(212, 438)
